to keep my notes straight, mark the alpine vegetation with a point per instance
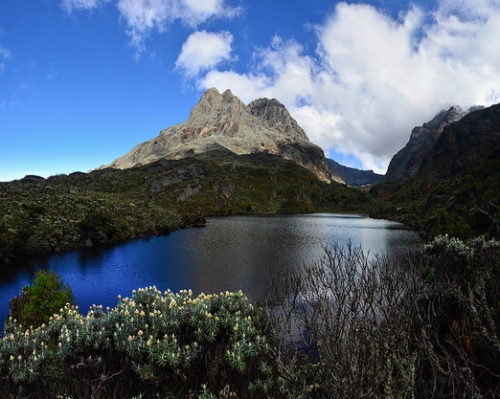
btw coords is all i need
(152, 344)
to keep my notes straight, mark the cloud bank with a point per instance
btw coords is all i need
(373, 78)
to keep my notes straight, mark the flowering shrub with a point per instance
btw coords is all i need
(464, 261)
(152, 344)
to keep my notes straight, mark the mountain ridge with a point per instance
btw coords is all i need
(223, 121)
(412, 158)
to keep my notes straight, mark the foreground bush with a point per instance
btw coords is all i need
(150, 345)
(350, 325)
(458, 319)
(424, 326)
(345, 322)
(38, 302)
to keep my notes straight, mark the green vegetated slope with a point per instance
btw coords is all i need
(441, 202)
(110, 205)
(457, 189)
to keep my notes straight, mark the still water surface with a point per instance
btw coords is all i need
(231, 253)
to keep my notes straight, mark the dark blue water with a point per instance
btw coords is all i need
(231, 253)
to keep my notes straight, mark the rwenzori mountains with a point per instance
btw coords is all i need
(223, 121)
(229, 158)
(414, 157)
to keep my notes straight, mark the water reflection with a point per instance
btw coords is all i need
(231, 253)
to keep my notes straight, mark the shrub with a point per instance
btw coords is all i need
(455, 329)
(41, 300)
(153, 344)
(345, 323)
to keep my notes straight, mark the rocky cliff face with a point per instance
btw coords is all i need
(224, 122)
(465, 145)
(409, 161)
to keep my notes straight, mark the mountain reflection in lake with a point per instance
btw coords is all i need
(230, 254)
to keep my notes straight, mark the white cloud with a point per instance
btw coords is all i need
(197, 11)
(204, 50)
(144, 16)
(373, 78)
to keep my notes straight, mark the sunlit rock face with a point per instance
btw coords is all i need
(223, 121)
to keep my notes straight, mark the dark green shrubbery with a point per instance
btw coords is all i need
(458, 318)
(40, 301)
(437, 202)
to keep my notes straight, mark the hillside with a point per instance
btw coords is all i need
(63, 212)
(456, 187)
(355, 177)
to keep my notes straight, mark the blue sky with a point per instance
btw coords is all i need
(84, 81)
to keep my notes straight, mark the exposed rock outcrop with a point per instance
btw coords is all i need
(224, 122)
(411, 159)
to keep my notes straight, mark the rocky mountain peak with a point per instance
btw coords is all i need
(212, 102)
(277, 117)
(223, 121)
(438, 123)
(411, 159)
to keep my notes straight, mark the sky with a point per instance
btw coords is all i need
(83, 81)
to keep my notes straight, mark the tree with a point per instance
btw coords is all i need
(40, 301)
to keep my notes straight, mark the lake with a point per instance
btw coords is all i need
(229, 254)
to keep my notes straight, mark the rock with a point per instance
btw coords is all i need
(178, 175)
(410, 160)
(190, 190)
(222, 122)
(199, 221)
(225, 187)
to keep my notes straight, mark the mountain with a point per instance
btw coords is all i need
(450, 181)
(411, 159)
(224, 122)
(354, 177)
(465, 145)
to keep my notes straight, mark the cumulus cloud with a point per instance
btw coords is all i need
(204, 50)
(144, 16)
(373, 77)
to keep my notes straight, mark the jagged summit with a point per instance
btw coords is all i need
(224, 121)
(412, 158)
